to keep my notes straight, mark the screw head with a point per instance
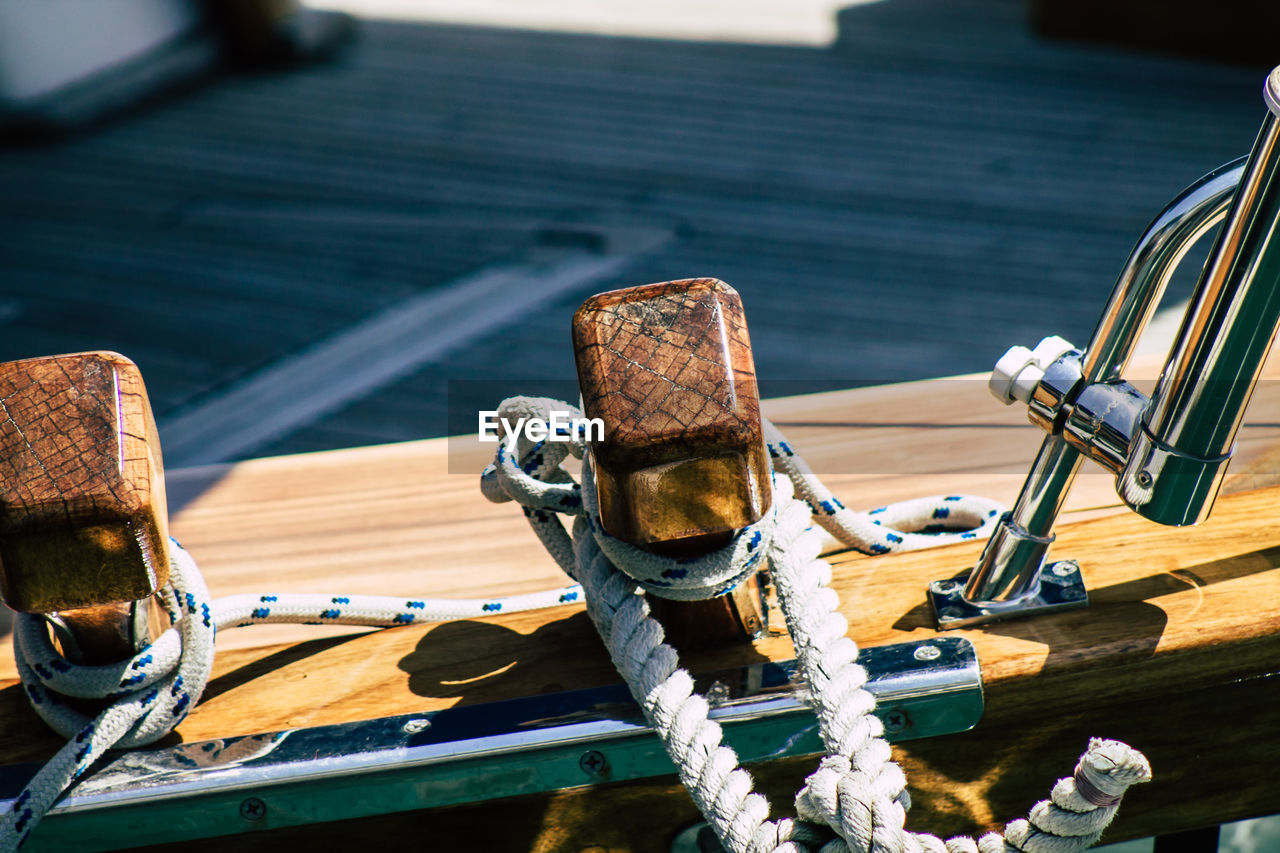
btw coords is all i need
(896, 720)
(415, 726)
(1144, 479)
(1065, 568)
(253, 809)
(593, 763)
(945, 587)
(927, 653)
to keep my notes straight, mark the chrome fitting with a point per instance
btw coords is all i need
(1051, 399)
(1169, 487)
(1169, 452)
(1102, 422)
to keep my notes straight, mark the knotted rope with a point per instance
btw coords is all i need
(856, 800)
(153, 692)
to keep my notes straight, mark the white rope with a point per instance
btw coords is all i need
(856, 800)
(857, 796)
(904, 526)
(153, 692)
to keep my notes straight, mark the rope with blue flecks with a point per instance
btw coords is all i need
(856, 800)
(153, 692)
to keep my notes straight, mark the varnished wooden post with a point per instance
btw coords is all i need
(682, 463)
(83, 524)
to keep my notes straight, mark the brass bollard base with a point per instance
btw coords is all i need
(735, 617)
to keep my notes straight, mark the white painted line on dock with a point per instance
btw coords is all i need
(792, 22)
(388, 346)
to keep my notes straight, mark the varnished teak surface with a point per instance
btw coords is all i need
(1172, 655)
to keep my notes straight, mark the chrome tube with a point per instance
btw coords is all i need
(1180, 455)
(1151, 264)
(1009, 568)
(1010, 565)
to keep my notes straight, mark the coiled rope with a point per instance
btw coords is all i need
(856, 800)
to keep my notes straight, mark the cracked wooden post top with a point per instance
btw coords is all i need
(668, 369)
(82, 506)
(682, 463)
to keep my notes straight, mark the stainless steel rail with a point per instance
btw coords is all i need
(474, 753)
(1169, 453)
(1010, 566)
(1179, 458)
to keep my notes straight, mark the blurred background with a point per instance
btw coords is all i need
(301, 236)
(305, 222)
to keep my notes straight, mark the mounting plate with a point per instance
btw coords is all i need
(1059, 587)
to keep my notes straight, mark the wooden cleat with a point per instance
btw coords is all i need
(668, 369)
(83, 522)
(682, 465)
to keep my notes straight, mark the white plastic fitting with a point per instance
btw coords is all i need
(1020, 370)
(1007, 370)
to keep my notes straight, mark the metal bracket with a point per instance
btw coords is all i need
(1059, 586)
(475, 753)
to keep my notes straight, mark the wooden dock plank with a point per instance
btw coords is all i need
(915, 183)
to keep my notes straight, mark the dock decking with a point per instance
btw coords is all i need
(936, 186)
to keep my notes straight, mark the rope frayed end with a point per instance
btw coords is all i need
(1082, 805)
(1108, 769)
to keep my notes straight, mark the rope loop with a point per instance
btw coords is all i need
(530, 472)
(904, 526)
(856, 800)
(160, 684)
(152, 693)
(686, 578)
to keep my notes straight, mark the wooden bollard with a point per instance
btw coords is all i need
(682, 464)
(83, 524)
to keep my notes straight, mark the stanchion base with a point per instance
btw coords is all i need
(1060, 587)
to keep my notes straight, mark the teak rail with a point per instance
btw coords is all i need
(1176, 653)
